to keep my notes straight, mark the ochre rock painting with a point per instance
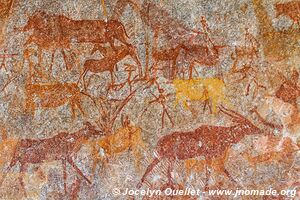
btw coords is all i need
(149, 99)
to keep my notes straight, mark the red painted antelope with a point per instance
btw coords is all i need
(60, 147)
(109, 62)
(208, 141)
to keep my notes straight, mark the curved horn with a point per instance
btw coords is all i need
(231, 113)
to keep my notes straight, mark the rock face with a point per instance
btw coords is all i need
(136, 99)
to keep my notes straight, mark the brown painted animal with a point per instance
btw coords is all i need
(290, 9)
(46, 35)
(202, 55)
(52, 95)
(64, 29)
(208, 141)
(60, 147)
(109, 62)
(51, 32)
(169, 55)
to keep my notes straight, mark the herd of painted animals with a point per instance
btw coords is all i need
(204, 150)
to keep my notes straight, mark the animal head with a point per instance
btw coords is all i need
(126, 50)
(90, 130)
(246, 126)
(36, 20)
(117, 28)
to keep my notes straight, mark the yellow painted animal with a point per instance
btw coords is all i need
(7, 147)
(201, 89)
(126, 138)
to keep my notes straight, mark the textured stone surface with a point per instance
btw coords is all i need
(99, 95)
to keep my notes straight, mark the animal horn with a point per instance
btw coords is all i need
(231, 113)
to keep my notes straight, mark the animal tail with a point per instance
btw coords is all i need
(148, 170)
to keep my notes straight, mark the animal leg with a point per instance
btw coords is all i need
(72, 104)
(210, 109)
(213, 106)
(206, 103)
(75, 189)
(162, 119)
(65, 174)
(23, 167)
(112, 79)
(78, 104)
(12, 163)
(112, 43)
(191, 70)
(195, 70)
(248, 89)
(168, 115)
(169, 173)
(154, 68)
(96, 158)
(174, 67)
(83, 79)
(40, 54)
(207, 173)
(272, 125)
(141, 143)
(67, 63)
(137, 157)
(71, 162)
(148, 170)
(52, 60)
(230, 177)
